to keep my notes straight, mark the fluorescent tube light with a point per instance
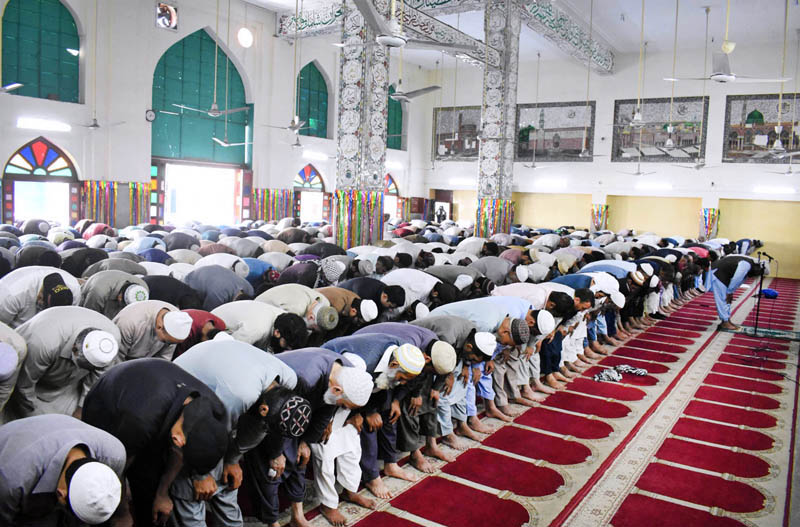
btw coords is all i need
(33, 123)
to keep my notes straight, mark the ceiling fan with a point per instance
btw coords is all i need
(584, 153)
(699, 164)
(638, 169)
(11, 87)
(389, 33)
(214, 111)
(536, 105)
(721, 65)
(94, 124)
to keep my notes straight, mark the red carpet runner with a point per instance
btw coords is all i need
(702, 439)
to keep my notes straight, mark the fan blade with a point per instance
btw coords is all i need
(720, 64)
(168, 113)
(233, 110)
(238, 144)
(414, 43)
(746, 79)
(278, 127)
(188, 108)
(220, 142)
(11, 87)
(343, 45)
(374, 19)
(116, 124)
(678, 79)
(422, 91)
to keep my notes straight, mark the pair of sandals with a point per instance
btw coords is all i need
(615, 374)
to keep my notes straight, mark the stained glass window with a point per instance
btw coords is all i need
(389, 186)
(394, 127)
(40, 49)
(40, 157)
(312, 101)
(309, 179)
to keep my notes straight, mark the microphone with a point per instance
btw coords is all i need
(768, 256)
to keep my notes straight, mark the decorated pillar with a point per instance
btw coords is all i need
(495, 211)
(361, 148)
(599, 213)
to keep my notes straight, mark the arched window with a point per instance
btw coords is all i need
(394, 126)
(40, 181)
(185, 76)
(389, 186)
(312, 101)
(308, 179)
(309, 191)
(40, 49)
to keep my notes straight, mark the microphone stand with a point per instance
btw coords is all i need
(760, 288)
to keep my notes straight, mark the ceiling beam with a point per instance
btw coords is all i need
(417, 24)
(568, 33)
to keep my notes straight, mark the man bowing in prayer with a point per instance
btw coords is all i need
(151, 329)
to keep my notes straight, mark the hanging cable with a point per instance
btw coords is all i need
(227, 70)
(703, 96)
(455, 86)
(674, 63)
(641, 58)
(783, 66)
(216, 53)
(294, 77)
(588, 77)
(536, 105)
(94, 67)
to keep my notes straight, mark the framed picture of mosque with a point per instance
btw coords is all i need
(676, 136)
(455, 133)
(751, 127)
(555, 131)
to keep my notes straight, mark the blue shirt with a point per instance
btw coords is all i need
(575, 281)
(418, 336)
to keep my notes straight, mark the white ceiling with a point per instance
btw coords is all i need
(618, 22)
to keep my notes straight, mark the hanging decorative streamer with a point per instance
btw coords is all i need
(99, 201)
(358, 217)
(272, 204)
(405, 208)
(139, 196)
(493, 216)
(599, 217)
(709, 222)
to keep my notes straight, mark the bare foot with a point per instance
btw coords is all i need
(541, 387)
(419, 462)
(298, 516)
(513, 412)
(378, 488)
(358, 499)
(478, 426)
(453, 442)
(434, 450)
(394, 470)
(565, 373)
(728, 325)
(553, 383)
(333, 516)
(493, 411)
(529, 394)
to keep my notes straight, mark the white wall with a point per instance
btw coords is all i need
(565, 80)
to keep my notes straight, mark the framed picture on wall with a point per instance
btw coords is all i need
(556, 131)
(751, 123)
(676, 136)
(455, 133)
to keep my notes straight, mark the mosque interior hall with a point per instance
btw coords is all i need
(399, 263)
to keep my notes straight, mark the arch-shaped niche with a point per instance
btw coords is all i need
(312, 100)
(183, 92)
(394, 124)
(392, 203)
(41, 48)
(311, 202)
(40, 181)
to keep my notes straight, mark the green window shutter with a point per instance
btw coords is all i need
(36, 35)
(312, 101)
(394, 125)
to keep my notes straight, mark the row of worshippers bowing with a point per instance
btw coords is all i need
(135, 386)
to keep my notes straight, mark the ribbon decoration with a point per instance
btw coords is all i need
(99, 201)
(404, 204)
(493, 216)
(709, 222)
(139, 196)
(599, 217)
(272, 204)
(358, 217)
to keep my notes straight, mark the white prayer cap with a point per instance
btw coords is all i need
(443, 357)
(486, 342)
(94, 492)
(9, 360)
(463, 281)
(522, 273)
(241, 268)
(356, 384)
(618, 299)
(647, 269)
(671, 258)
(325, 317)
(177, 324)
(653, 281)
(368, 310)
(545, 322)
(135, 293)
(223, 335)
(409, 357)
(421, 311)
(99, 348)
